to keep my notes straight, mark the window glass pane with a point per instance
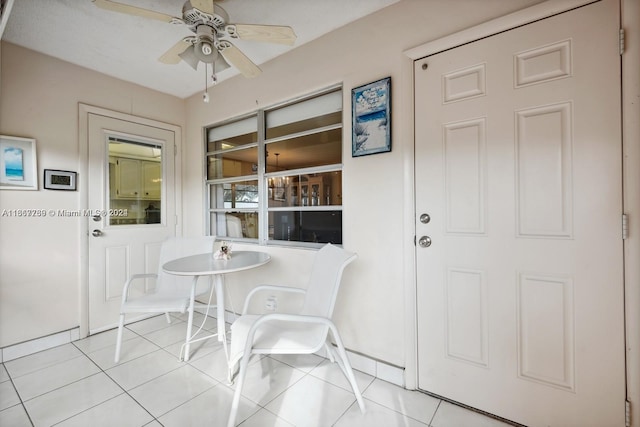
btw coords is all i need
(319, 189)
(233, 135)
(302, 136)
(316, 107)
(324, 148)
(233, 163)
(236, 195)
(306, 226)
(305, 125)
(135, 182)
(235, 224)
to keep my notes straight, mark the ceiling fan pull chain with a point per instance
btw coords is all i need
(205, 97)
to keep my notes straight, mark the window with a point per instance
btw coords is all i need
(275, 176)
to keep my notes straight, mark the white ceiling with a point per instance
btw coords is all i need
(128, 47)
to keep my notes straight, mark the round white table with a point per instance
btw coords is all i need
(205, 265)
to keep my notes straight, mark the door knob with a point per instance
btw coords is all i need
(424, 242)
(97, 218)
(425, 218)
(96, 233)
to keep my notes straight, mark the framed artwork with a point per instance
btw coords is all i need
(60, 180)
(18, 167)
(278, 194)
(371, 118)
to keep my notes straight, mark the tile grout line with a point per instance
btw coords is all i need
(116, 383)
(433, 417)
(19, 397)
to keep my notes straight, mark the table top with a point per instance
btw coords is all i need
(205, 264)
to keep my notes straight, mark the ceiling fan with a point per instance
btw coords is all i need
(211, 43)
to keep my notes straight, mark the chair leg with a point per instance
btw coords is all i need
(168, 316)
(119, 338)
(343, 361)
(244, 362)
(329, 351)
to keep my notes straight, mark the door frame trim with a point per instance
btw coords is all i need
(84, 110)
(631, 172)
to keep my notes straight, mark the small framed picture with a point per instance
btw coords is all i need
(60, 180)
(278, 194)
(371, 118)
(18, 170)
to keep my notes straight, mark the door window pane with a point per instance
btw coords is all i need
(135, 182)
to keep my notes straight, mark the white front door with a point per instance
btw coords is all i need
(518, 165)
(132, 198)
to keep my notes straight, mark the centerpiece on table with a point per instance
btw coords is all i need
(224, 252)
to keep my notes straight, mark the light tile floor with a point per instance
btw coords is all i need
(78, 384)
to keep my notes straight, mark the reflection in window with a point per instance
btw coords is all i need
(284, 182)
(135, 182)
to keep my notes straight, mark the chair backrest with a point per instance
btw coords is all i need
(234, 226)
(178, 247)
(325, 279)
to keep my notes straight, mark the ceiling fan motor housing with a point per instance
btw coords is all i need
(204, 46)
(194, 17)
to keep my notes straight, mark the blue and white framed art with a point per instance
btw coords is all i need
(18, 170)
(371, 118)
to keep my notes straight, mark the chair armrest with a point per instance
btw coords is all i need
(127, 284)
(269, 288)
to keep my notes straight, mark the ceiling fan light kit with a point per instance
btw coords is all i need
(213, 31)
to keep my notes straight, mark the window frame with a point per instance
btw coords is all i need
(262, 176)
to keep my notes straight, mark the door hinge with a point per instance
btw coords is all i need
(621, 41)
(627, 413)
(625, 226)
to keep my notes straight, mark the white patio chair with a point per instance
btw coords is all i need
(234, 226)
(303, 333)
(172, 293)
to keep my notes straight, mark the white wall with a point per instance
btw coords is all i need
(371, 307)
(39, 257)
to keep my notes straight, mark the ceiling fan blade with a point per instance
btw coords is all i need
(172, 56)
(132, 10)
(205, 6)
(235, 57)
(263, 33)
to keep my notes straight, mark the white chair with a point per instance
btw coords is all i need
(172, 293)
(303, 333)
(234, 226)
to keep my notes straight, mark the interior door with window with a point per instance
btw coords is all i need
(131, 200)
(519, 261)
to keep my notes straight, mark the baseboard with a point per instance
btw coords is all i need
(38, 344)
